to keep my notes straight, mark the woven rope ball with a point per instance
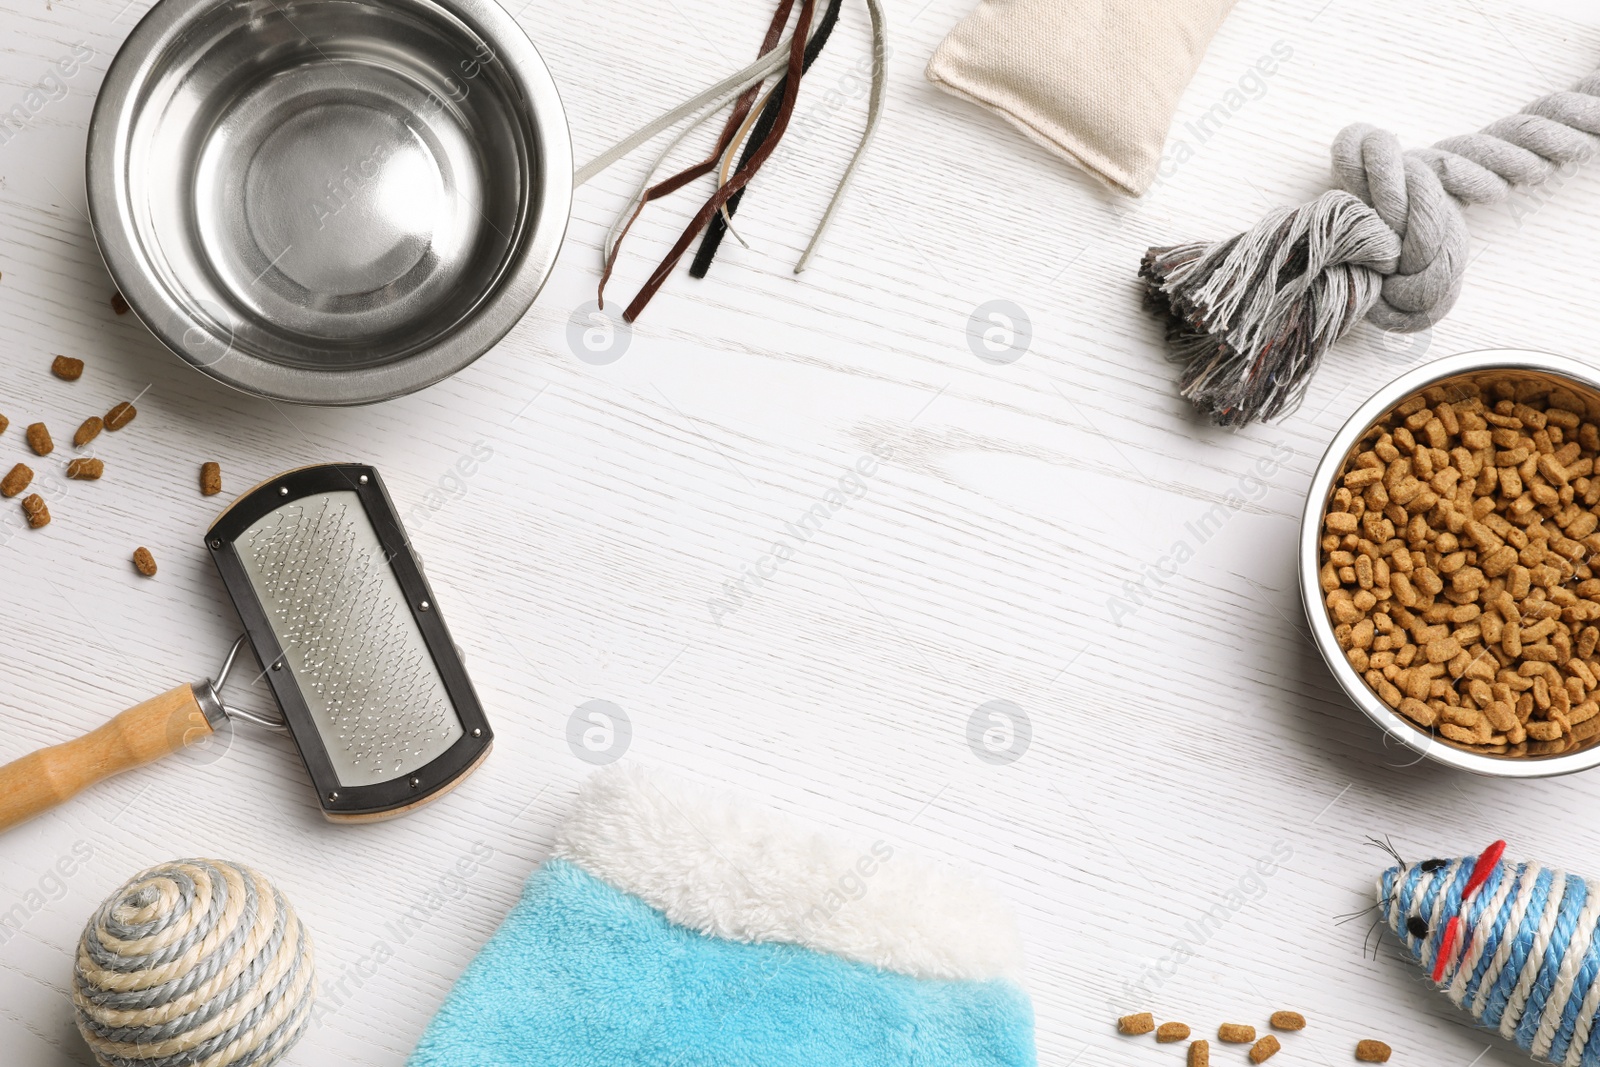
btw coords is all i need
(194, 963)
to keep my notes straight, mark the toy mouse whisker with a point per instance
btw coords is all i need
(1341, 920)
(1377, 926)
(1387, 846)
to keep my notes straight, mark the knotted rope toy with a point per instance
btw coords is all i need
(194, 963)
(1250, 317)
(1512, 943)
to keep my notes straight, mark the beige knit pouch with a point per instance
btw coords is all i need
(1095, 81)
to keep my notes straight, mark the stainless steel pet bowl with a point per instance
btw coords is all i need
(329, 201)
(1535, 374)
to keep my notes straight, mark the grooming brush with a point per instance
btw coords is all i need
(336, 609)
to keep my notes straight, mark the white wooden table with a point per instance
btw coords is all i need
(988, 558)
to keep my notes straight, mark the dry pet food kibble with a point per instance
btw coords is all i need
(66, 368)
(88, 431)
(34, 508)
(118, 304)
(39, 440)
(86, 470)
(1370, 1051)
(144, 561)
(120, 416)
(16, 481)
(1141, 1023)
(1172, 1032)
(1199, 1054)
(4, 422)
(1459, 565)
(1288, 1020)
(1236, 1033)
(210, 479)
(1264, 1049)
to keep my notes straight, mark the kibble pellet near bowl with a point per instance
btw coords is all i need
(1264, 1049)
(16, 480)
(35, 511)
(39, 439)
(88, 431)
(210, 479)
(85, 469)
(120, 415)
(1370, 1051)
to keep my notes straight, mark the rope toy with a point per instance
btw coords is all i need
(194, 963)
(1249, 318)
(1512, 943)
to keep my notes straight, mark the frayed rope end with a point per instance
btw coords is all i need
(1250, 317)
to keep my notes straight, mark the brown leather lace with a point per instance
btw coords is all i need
(667, 186)
(741, 177)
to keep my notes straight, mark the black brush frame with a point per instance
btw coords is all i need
(339, 801)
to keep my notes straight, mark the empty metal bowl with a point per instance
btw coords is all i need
(1536, 373)
(329, 202)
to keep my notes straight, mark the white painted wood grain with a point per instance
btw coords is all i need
(980, 563)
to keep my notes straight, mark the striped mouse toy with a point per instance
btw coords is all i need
(1514, 944)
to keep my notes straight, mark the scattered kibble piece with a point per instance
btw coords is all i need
(66, 368)
(1199, 1054)
(120, 416)
(1168, 1032)
(1236, 1033)
(1142, 1023)
(1370, 1051)
(1264, 1049)
(88, 431)
(144, 561)
(1459, 565)
(34, 508)
(4, 422)
(39, 440)
(210, 479)
(118, 304)
(16, 481)
(85, 469)
(1288, 1020)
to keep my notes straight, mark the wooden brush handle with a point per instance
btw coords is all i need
(39, 781)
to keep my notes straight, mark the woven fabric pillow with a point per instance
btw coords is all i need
(1094, 81)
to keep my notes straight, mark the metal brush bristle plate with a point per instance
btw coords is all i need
(353, 643)
(347, 635)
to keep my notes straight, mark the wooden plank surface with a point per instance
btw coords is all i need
(992, 554)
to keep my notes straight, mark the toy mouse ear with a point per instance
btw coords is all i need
(1447, 946)
(1481, 868)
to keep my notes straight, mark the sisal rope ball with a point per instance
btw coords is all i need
(194, 963)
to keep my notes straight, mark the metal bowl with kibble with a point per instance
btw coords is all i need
(1450, 562)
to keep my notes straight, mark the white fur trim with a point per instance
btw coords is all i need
(737, 871)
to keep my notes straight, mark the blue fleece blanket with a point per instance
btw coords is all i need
(582, 974)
